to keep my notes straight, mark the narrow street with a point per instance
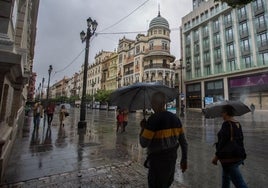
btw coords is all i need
(100, 157)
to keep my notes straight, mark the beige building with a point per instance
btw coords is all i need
(17, 40)
(147, 58)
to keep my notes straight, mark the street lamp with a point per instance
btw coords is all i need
(49, 73)
(181, 67)
(91, 28)
(43, 80)
(92, 85)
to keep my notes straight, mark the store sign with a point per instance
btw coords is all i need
(208, 100)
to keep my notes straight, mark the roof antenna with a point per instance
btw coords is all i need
(159, 9)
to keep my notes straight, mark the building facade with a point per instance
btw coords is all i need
(17, 40)
(147, 58)
(225, 53)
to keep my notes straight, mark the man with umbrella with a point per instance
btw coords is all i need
(162, 134)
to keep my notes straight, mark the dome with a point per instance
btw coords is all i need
(159, 21)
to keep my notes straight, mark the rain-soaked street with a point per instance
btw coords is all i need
(43, 157)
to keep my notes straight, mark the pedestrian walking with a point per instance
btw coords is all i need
(162, 135)
(120, 120)
(62, 115)
(125, 121)
(252, 108)
(50, 112)
(230, 149)
(37, 114)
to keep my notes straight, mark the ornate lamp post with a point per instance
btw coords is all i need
(43, 80)
(91, 28)
(181, 67)
(49, 73)
(92, 86)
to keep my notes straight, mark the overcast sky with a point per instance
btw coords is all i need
(61, 21)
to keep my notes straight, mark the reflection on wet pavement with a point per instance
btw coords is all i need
(54, 150)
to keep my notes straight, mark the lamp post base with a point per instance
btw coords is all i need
(82, 124)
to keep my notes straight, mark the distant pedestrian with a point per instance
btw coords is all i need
(252, 108)
(230, 149)
(62, 115)
(162, 135)
(125, 121)
(37, 114)
(50, 112)
(120, 120)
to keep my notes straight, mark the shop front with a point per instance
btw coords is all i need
(250, 89)
(193, 95)
(214, 90)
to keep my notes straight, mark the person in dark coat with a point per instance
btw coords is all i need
(162, 135)
(230, 157)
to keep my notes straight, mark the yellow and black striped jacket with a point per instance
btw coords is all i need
(163, 131)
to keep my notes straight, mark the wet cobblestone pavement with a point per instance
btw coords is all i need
(100, 157)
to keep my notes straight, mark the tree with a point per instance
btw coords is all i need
(103, 96)
(235, 3)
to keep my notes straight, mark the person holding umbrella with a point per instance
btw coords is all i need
(162, 134)
(230, 149)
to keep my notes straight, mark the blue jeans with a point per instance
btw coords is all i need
(232, 173)
(36, 121)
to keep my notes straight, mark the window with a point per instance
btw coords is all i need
(164, 45)
(164, 63)
(243, 28)
(242, 12)
(188, 51)
(231, 65)
(258, 4)
(207, 70)
(196, 47)
(228, 19)
(188, 39)
(218, 68)
(229, 34)
(205, 30)
(245, 45)
(216, 39)
(216, 25)
(151, 45)
(206, 43)
(197, 60)
(137, 49)
(247, 62)
(160, 31)
(260, 21)
(197, 72)
(264, 58)
(262, 39)
(206, 57)
(217, 53)
(196, 34)
(230, 50)
(212, 11)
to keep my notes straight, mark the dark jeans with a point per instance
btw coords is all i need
(232, 173)
(49, 118)
(162, 169)
(36, 120)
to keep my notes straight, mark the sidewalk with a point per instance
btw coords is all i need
(125, 175)
(96, 157)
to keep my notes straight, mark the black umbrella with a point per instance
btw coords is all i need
(215, 109)
(138, 96)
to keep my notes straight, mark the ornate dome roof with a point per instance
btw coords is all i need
(159, 21)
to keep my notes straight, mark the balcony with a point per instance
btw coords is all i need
(261, 28)
(242, 18)
(244, 34)
(263, 46)
(128, 72)
(258, 10)
(156, 66)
